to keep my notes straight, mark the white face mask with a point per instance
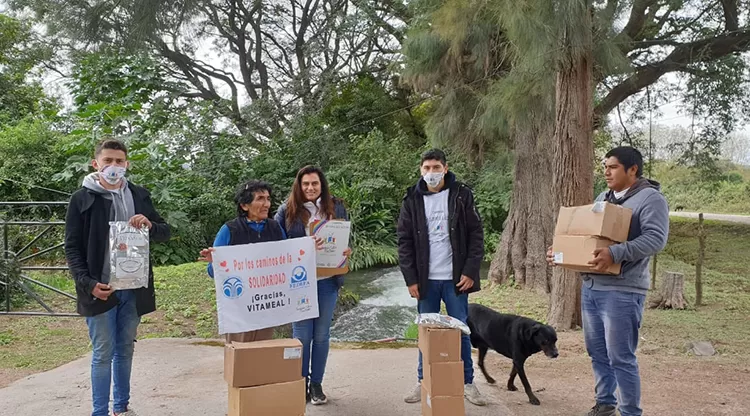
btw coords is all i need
(433, 178)
(113, 174)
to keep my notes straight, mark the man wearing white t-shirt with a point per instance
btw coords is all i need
(440, 250)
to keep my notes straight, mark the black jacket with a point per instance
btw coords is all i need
(465, 229)
(87, 241)
(241, 233)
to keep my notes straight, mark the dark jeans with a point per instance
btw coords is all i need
(457, 306)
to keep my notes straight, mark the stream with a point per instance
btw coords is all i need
(385, 309)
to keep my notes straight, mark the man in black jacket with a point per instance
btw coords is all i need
(440, 250)
(112, 317)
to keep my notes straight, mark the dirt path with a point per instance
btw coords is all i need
(739, 219)
(671, 385)
(178, 377)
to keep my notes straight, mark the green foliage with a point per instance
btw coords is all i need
(690, 189)
(20, 53)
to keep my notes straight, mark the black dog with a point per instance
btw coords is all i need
(513, 336)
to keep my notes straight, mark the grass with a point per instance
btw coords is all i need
(722, 319)
(186, 306)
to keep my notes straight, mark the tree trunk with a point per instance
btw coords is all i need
(528, 230)
(573, 167)
(671, 292)
(699, 262)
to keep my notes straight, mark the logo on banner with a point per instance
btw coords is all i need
(303, 304)
(299, 278)
(233, 288)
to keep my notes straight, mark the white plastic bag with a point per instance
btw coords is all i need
(442, 321)
(128, 256)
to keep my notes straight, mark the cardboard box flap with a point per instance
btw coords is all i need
(600, 219)
(273, 343)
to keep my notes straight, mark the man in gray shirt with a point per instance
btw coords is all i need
(612, 306)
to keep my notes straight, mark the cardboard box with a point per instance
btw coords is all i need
(439, 345)
(601, 219)
(442, 405)
(248, 364)
(444, 379)
(575, 251)
(283, 399)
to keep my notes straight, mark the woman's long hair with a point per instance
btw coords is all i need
(295, 206)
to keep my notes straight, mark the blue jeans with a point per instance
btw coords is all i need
(611, 320)
(113, 336)
(315, 334)
(457, 306)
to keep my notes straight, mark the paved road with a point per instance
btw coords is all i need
(177, 377)
(740, 219)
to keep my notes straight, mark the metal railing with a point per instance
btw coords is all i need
(16, 263)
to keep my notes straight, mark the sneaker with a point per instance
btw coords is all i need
(602, 410)
(416, 395)
(473, 396)
(316, 394)
(129, 412)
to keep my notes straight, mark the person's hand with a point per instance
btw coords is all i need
(348, 252)
(318, 242)
(207, 254)
(139, 221)
(550, 256)
(465, 283)
(414, 291)
(602, 260)
(102, 291)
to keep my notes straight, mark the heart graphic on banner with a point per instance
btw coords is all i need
(223, 263)
(302, 252)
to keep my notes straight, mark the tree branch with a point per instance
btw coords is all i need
(731, 16)
(636, 22)
(679, 60)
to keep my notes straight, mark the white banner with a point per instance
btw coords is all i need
(264, 285)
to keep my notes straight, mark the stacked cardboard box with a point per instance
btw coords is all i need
(581, 230)
(443, 371)
(265, 378)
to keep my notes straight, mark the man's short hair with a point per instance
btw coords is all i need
(628, 157)
(112, 144)
(246, 193)
(434, 154)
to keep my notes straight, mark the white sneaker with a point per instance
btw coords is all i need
(473, 396)
(416, 395)
(129, 412)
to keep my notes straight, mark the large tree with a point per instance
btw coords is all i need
(259, 63)
(634, 44)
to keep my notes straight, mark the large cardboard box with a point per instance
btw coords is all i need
(442, 405)
(601, 219)
(444, 379)
(439, 345)
(248, 364)
(283, 399)
(575, 251)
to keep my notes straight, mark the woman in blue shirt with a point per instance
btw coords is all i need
(252, 225)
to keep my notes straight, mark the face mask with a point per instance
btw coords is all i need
(433, 178)
(113, 174)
